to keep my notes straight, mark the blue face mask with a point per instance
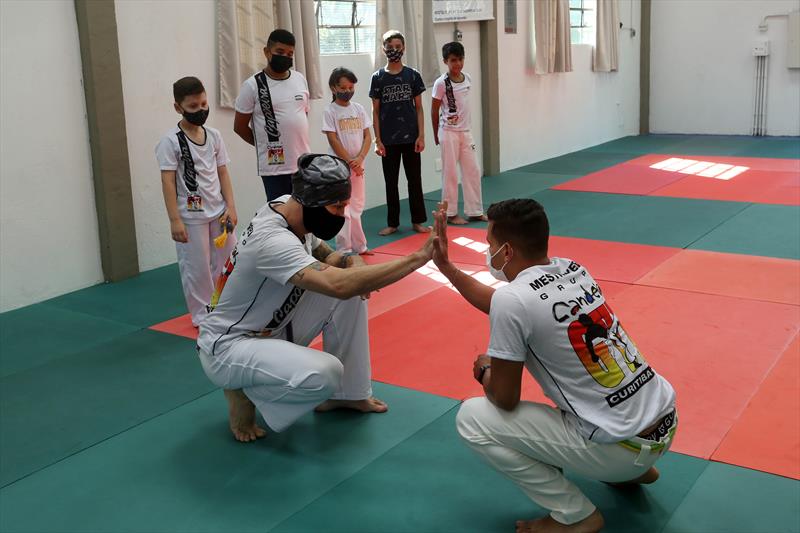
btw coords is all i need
(345, 96)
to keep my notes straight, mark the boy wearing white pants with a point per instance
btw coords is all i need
(614, 415)
(197, 193)
(281, 287)
(450, 113)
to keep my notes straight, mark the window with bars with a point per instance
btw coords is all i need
(346, 26)
(582, 20)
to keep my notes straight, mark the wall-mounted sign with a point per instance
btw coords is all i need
(459, 10)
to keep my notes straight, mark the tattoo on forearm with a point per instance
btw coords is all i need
(316, 265)
(322, 252)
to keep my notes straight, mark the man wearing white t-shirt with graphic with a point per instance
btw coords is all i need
(272, 115)
(614, 417)
(283, 286)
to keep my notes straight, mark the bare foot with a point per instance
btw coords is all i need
(456, 220)
(370, 405)
(591, 524)
(242, 417)
(479, 218)
(645, 479)
(419, 228)
(388, 230)
(366, 252)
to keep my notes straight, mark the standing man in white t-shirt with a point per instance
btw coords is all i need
(272, 115)
(614, 417)
(450, 115)
(281, 287)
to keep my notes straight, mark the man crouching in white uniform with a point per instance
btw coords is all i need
(615, 416)
(281, 287)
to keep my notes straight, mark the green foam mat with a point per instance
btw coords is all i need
(509, 184)
(184, 472)
(767, 230)
(730, 499)
(68, 404)
(780, 148)
(580, 163)
(433, 482)
(733, 145)
(661, 221)
(36, 334)
(639, 144)
(149, 298)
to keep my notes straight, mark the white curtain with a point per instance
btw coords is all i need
(414, 19)
(242, 30)
(605, 55)
(551, 36)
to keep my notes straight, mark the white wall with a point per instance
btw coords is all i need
(702, 68)
(543, 116)
(161, 41)
(49, 241)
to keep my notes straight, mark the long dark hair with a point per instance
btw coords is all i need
(339, 73)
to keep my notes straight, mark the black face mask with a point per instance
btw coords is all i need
(321, 222)
(198, 118)
(280, 64)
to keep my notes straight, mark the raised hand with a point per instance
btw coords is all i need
(440, 254)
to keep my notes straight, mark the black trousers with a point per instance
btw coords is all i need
(412, 164)
(277, 185)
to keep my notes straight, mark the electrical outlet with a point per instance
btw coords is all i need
(438, 164)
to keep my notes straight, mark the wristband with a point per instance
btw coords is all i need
(482, 372)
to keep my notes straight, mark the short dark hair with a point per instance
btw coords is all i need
(187, 86)
(280, 36)
(393, 34)
(339, 73)
(523, 223)
(453, 49)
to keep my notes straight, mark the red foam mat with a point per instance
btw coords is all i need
(770, 181)
(181, 326)
(606, 260)
(757, 186)
(714, 350)
(767, 435)
(417, 284)
(755, 163)
(741, 276)
(459, 253)
(622, 179)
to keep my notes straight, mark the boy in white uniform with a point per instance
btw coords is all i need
(198, 194)
(615, 416)
(346, 125)
(283, 285)
(450, 113)
(272, 115)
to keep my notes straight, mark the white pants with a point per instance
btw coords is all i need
(458, 148)
(351, 238)
(532, 443)
(284, 379)
(200, 262)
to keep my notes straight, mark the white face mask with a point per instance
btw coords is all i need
(497, 274)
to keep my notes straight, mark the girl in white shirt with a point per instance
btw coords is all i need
(346, 124)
